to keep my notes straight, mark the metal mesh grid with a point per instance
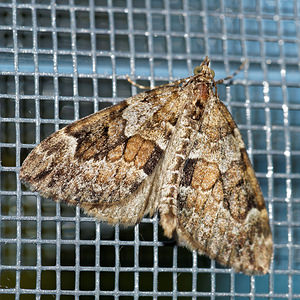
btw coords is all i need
(62, 60)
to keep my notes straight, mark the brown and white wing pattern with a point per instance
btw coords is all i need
(219, 208)
(107, 161)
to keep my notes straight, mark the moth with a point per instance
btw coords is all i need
(175, 150)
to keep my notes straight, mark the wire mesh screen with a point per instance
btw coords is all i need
(62, 60)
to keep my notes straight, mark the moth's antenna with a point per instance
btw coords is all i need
(234, 73)
(143, 87)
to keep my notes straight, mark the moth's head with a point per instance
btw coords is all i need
(204, 70)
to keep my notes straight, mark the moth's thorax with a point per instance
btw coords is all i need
(201, 91)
